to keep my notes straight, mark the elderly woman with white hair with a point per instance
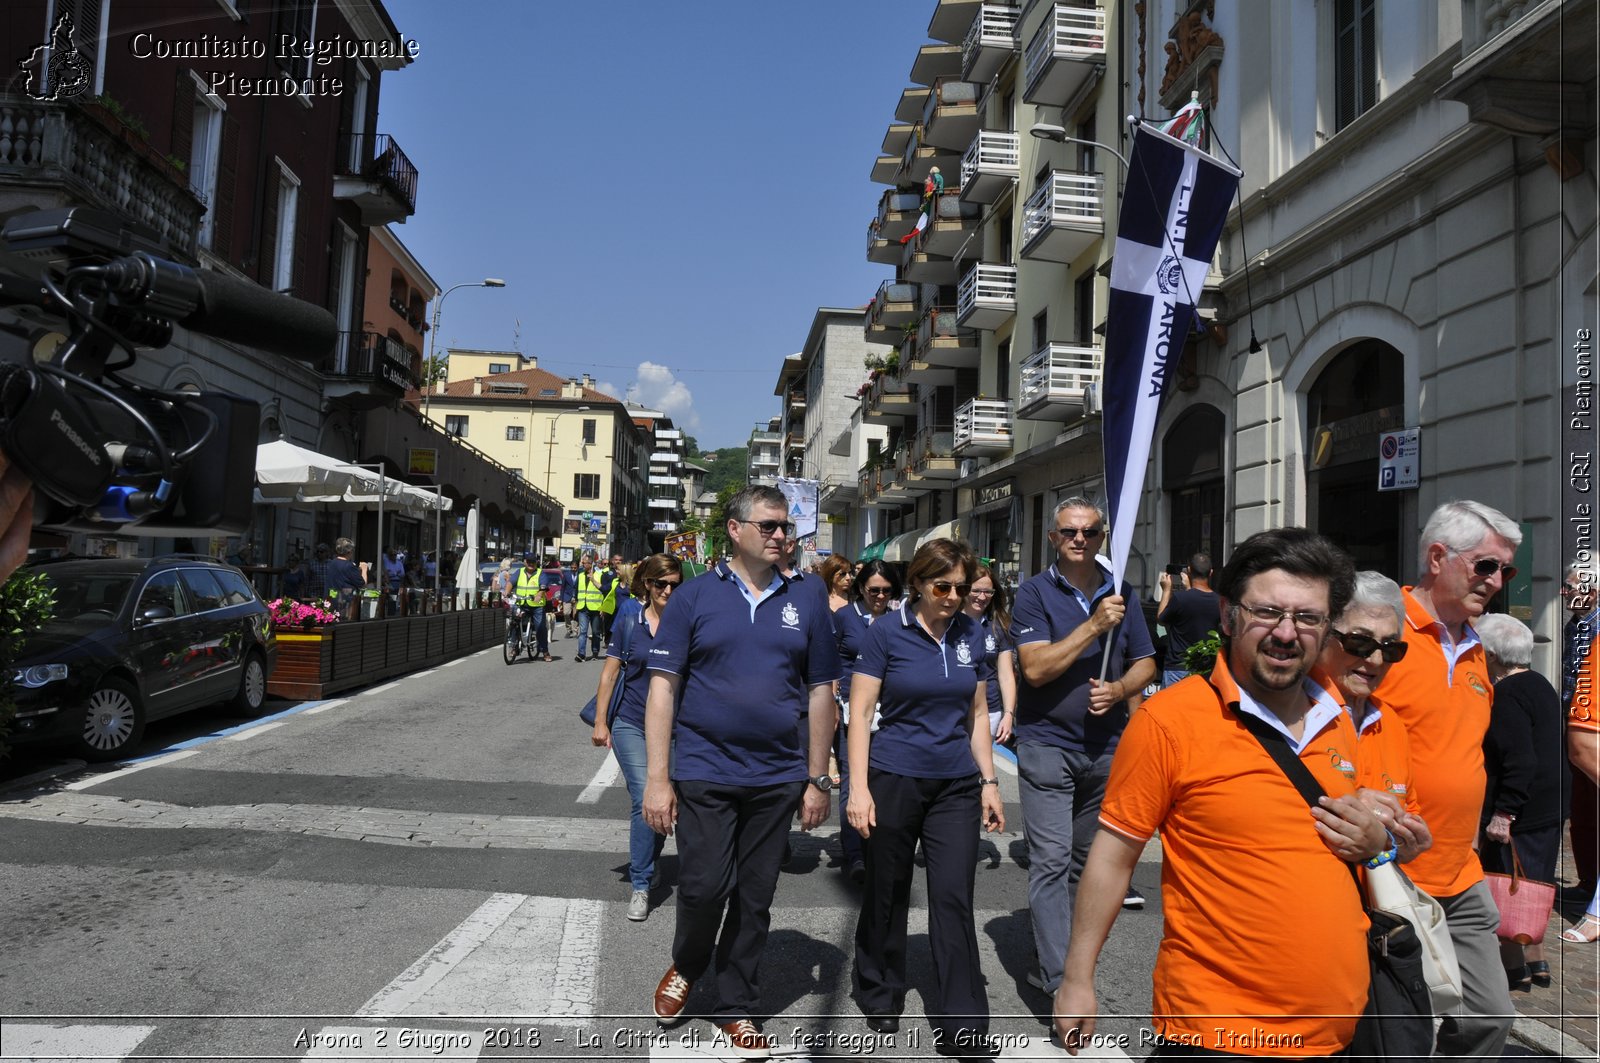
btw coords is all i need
(1526, 796)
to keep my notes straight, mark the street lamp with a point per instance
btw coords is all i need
(549, 454)
(1047, 131)
(433, 332)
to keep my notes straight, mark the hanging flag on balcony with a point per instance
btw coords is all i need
(922, 223)
(1189, 124)
(1173, 209)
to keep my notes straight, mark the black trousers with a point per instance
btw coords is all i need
(730, 846)
(945, 814)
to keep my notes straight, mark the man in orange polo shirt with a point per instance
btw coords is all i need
(1441, 692)
(1264, 948)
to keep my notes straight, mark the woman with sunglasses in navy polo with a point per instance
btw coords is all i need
(876, 588)
(653, 581)
(926, 774)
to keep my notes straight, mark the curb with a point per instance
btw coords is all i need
(1548, 1040)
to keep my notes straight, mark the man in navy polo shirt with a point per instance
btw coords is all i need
(1068, 720)
(742, 654)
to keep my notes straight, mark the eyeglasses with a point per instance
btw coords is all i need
(1488, 566)
(878, 592)
(1358, 645)
(943, 588)
(1272, 616)
(770, 528)
(664, 584)
(981, 594)
(1072, 533)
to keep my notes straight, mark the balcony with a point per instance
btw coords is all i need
(669, 433)
(983, 426)
(916, 264)
(1057, 381)
(664, 503)
(63, 155)
(897, 214)
(933, 455)
(369, 365)
(1063, 219)
(384, 186)
(889, 400)
(935, 61)
(951, 19)
(950, 118)
(666, 457)
(897, 137)
(942, 341)
(912, 101)
(987, 296)
(886, 170)
(990, 41)
(838, 495)
(915, 370)
(953, 220)
(797, 399)
(894, 305)
(920, 157)
(990, 165)
(1063, 51)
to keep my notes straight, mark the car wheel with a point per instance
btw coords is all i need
(252, 694)
(113, 722)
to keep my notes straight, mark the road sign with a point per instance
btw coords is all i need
(1399, 459)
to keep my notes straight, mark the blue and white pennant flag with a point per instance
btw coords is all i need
(1173, 209)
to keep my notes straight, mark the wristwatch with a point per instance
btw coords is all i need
(988, 782)
(821, 782)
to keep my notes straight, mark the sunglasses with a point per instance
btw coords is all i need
(1072, 533)
(942, 588)
(1488, 566)
(879, 592)
(770, 528)
(1358, 645)
(664, 584)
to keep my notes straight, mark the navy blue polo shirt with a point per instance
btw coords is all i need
(747, 673)
(995, 642)
(635, 677)
(1047, 609)
(926, 699)
(850, 624)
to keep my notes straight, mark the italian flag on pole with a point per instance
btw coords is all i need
(1188, 125)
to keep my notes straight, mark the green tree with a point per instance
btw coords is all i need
(27, 601)
(729, 468)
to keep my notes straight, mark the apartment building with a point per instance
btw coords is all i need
(764, 463)
(665, 501)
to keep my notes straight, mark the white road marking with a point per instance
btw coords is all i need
(514, 952)
(380, 690)
(326, 705)
(376, 1042)
(609, 770)
(243, 736)
(1005, 765)
(452, 664)
(41, 1042)
(153, 762)
(419, 675)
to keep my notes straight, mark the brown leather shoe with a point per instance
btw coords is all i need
(671, 995)
(744, 1040)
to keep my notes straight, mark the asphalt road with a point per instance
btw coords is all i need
(433, 868)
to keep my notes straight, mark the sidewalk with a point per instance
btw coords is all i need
(1562, 1020)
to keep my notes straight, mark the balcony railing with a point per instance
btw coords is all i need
(372, 357)
(992, 161)
(987, 296)
(1062, 53)
(76, 159)
(941, 340)
(384, 181)
(983, 426)
(933, 453)
(1063, 218)
(990, 40)
(1057, 381)
(889, 399)
(893, 305)
(897, 213)
(950, 116)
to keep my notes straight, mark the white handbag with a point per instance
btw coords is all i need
(1389, 890)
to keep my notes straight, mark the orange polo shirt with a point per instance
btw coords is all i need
(1385, 760)
(1264, 945)
(1584, 714)
(1446, 715)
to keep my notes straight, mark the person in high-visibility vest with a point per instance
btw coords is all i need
(590, 615)
(610, 577)
(527, 594)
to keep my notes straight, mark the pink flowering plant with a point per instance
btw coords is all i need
(286, 612)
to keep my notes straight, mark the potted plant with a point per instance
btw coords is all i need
(290, 615)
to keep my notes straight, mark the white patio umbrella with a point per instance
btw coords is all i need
(467, 571)
(287, 471)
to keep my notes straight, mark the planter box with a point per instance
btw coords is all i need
(314, 663)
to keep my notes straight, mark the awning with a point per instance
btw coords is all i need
(902, 546)
(947, 530)
(284, 470)
(875, 551)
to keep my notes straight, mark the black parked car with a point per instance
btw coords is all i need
(133, 640)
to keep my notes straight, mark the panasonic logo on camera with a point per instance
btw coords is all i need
(78, 441)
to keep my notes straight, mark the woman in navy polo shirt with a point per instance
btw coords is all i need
(990, 606)
(876, 585)
(929, 777)
(653, 581)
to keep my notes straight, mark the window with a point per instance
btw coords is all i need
(588, 431)
(515, 433)
(288, 210)
(1083, 308)
(1041, 329)
(496, 368)
(164, 591)
(586, 485)
(203, 586)
(456, 425)
(236, 590)
(1355, 60)
(205, 149)
(1002, 370)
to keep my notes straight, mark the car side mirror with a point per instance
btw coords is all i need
(156, 613)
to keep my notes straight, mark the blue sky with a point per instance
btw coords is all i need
(678, 184)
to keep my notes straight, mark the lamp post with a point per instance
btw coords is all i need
(433, 332)
(1048, 131)
(549, 454)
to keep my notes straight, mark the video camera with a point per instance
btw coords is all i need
(107, 454)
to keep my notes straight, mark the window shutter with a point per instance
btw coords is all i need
(86, 16)
(267, 260)
(183, 115)
(297, 280)
(346, 151)
(222, 234)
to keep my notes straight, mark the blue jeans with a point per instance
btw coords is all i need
(589, 631)
(1061, 790)
(644, 844)
(1170, 676)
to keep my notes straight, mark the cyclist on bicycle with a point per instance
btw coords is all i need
(528, 597)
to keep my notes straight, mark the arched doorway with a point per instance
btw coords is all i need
(1192, 477)
(1358, 396)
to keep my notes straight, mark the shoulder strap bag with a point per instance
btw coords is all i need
(623, 637)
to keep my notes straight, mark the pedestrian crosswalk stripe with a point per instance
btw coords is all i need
(513, 954)
(25, 1042)
(603, 778)
(377, 1042)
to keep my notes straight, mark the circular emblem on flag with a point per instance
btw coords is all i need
(1169, 275)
